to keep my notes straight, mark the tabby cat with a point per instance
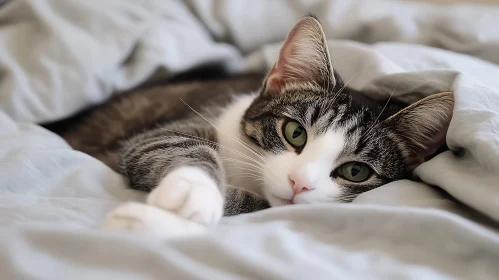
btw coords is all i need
(303, 138)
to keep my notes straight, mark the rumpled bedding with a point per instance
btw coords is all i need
(60, 57)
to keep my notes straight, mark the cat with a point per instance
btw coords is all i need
(303, 138)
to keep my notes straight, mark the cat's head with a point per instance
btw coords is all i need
(320, 142)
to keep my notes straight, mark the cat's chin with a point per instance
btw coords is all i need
(277, 201)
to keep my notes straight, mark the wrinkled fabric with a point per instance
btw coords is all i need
(59, 57)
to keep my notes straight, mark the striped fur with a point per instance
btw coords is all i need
(148, 157)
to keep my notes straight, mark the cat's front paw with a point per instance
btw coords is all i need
(149, 220)
(191, 193)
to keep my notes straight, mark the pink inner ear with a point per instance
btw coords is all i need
(303, 57)
(277, 77)
(274, 80)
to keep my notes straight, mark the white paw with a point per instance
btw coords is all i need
(191, 193)
(149, 220)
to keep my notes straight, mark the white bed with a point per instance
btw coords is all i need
(58, 57)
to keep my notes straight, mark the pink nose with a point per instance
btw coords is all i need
(299, 185)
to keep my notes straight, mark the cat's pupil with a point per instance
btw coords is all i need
(298, 131)
(355, 170)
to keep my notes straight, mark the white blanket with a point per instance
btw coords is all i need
(57, 57)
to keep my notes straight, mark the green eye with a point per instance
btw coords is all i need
(295, 134)
(355, 171)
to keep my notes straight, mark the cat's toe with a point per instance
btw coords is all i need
(191, 193)
(151, 221)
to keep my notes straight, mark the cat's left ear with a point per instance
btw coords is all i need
(303, 60)
(422, 127)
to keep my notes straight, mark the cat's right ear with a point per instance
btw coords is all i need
(303, 60)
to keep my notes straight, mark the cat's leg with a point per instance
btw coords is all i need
(191, 192)
(153, 221)
(185, 178)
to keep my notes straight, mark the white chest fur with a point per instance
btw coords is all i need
(240, 162)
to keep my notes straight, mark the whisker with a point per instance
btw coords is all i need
(361, 72)
(254, 168)
(240, 142)
(251, 170)
(343, 87)
(251, 175)
(211, 122)
(245, 175)
(246, 168)
(214, 143)
(245, 164)
(379, 115)
(241, 162)
(252, 178)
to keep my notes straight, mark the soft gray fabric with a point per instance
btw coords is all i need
(60, 56)
(311, 242)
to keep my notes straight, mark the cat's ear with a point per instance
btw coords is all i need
(303, 59)
(422, 127)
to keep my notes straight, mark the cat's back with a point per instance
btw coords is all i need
(98, 131)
